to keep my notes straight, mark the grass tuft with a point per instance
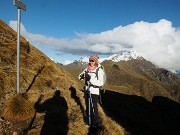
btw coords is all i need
(18, 108)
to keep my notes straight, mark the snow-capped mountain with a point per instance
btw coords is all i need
(126, 55)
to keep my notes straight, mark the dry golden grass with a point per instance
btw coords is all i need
(129, 90)
(38, 76)
(18, 108)
(110, 126)
(75, 114)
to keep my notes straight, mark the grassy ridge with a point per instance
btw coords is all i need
(40, 76)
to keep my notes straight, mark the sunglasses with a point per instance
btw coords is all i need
(91, 60)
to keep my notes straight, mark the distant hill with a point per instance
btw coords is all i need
(136, 74)
(79, 65)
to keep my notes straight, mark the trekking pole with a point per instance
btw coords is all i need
(92, 104)
(100, 98)
(89, 103)
(89, 109)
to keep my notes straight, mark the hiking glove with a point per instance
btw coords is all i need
(88, 77)
(81, 76)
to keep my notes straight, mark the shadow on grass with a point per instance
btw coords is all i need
(95, 131)
(55, 119)
(141, 117)
(30, 126)
(77, 100)
(92, 130)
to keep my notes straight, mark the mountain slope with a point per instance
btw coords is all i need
(144, 77)
(39, 76)
(141, 97)
(47, 92)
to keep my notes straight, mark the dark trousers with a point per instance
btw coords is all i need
(94, 117)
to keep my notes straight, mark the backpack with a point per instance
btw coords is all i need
(104, 76)
(101, 89)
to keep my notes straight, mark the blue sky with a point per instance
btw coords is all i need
(68, 29)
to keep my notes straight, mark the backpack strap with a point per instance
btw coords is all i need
(97, 70)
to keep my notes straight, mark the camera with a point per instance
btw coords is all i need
(82, 76)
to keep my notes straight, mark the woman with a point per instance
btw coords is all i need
(94, 76)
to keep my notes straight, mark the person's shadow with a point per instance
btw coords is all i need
(77, 100)
(55, 119)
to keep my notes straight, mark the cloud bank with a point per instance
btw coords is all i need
(157, 42)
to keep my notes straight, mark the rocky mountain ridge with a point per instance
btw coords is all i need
(137, 69)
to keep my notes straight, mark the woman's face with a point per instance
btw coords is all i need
(92, 62)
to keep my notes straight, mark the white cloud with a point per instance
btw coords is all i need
(13, 25)
(158, 42)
